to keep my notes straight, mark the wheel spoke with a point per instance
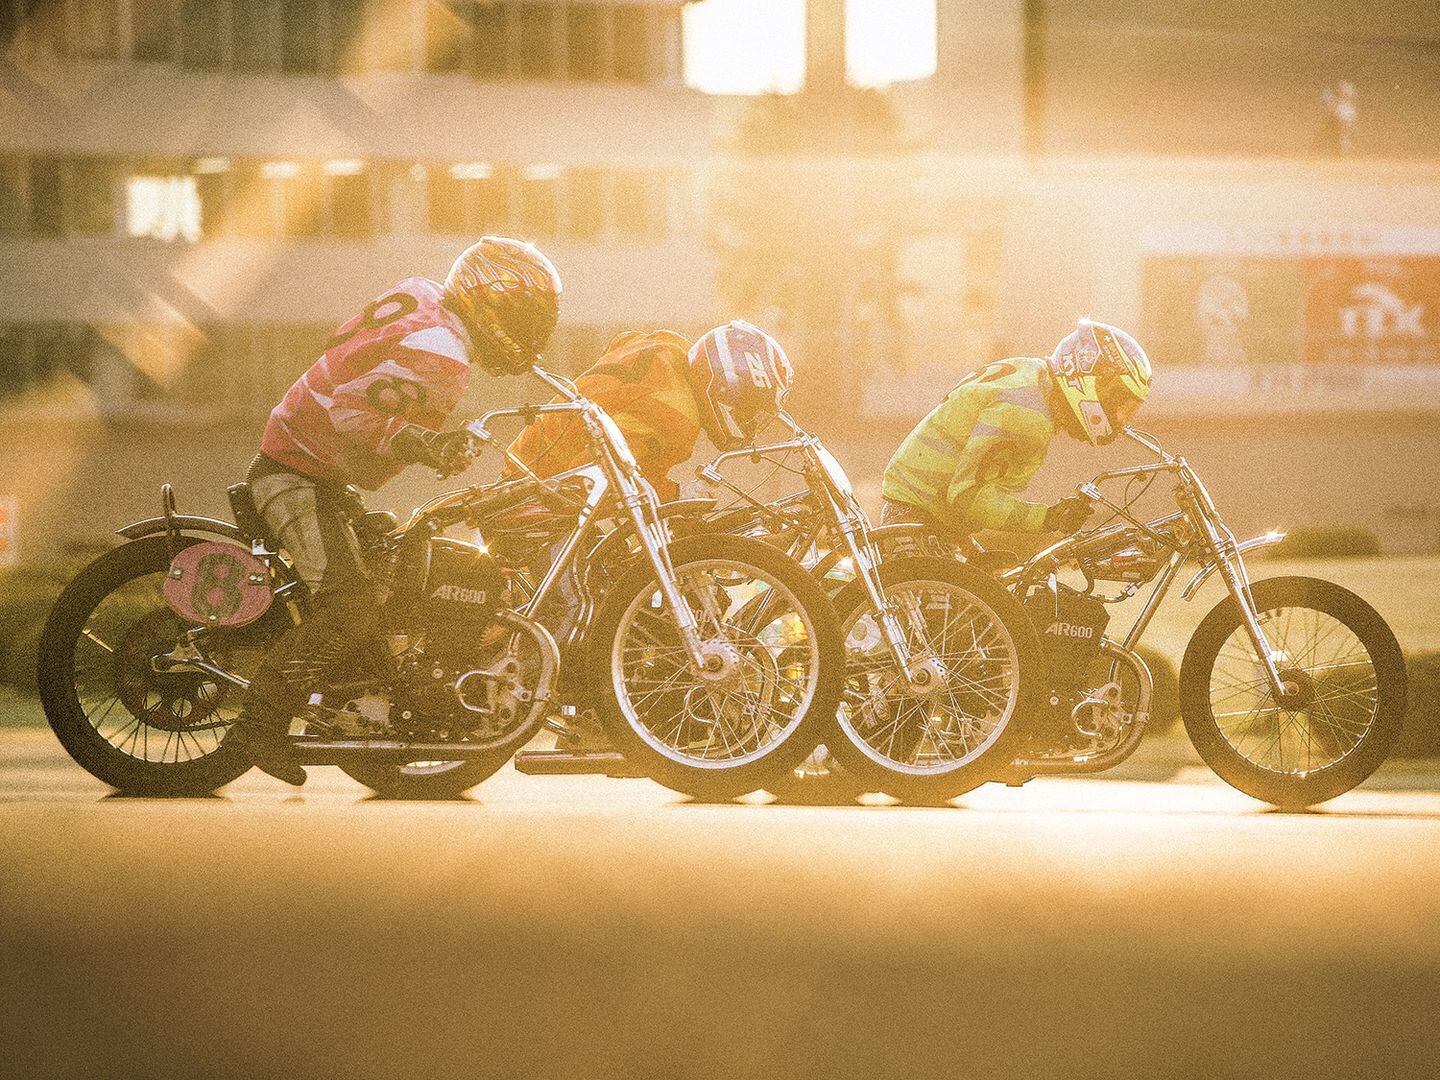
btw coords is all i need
(946, 624)
(1321, 657)
(752, 709)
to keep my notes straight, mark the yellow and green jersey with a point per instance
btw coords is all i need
(963, 463)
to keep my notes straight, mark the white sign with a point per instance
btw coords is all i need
(9, 547)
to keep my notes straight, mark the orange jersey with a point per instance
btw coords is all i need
(642, 381)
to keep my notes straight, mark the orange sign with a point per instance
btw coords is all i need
(1376, 310)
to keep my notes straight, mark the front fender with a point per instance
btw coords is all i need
(1202, 575)
(183, 523)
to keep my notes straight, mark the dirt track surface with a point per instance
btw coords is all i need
(582, 927)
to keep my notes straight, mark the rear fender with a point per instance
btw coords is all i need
(183, 523)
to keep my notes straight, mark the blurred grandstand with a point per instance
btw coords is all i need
(193, 194)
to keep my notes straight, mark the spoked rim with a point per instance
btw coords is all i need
(958, 723)
(153, 717)
(1334, 704)
(735, 721)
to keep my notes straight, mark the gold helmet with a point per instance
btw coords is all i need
(508, 295)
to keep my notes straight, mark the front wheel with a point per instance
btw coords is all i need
(1344, 702)
(929, 745)
(779, 668)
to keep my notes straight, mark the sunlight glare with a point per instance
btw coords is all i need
(745, 46)
(758, 46)
(889, 41)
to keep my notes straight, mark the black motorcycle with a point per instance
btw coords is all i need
(714, 662)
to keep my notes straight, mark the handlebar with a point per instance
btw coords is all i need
(711, 471)
(559, 383)
(479, 429)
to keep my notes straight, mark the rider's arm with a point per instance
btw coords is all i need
(1005, 447)
(648, 396)
(656, 452)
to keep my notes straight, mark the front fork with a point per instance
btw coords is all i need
(651, 532)
(1232, 571)
(867, 568)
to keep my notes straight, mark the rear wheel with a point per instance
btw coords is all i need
(1343, 706)
(779, 668)
(928, 747)
(128, 724)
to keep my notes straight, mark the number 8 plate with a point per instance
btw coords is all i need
(214, 584)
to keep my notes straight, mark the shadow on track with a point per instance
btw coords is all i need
(209, 796)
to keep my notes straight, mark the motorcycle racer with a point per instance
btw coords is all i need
(960, 468)
(661, 391)
(373, 403)
(641, 380)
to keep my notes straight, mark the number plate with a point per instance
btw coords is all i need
(214, 584)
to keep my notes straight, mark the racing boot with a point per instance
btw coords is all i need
(264, 742)
(584, 735)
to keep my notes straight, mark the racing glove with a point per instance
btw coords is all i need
(447, 452)
(1068, 514)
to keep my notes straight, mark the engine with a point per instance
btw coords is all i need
(461, 589)
(1071, 624)
(462, 665)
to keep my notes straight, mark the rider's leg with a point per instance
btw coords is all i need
(992, 562)
(560, 613)
(307, 520)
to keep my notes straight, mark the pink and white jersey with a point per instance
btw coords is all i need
(403, 360)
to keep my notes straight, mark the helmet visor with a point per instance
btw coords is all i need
(1120, 407)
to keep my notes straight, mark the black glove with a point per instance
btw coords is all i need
(1068, 515)
(447, 452)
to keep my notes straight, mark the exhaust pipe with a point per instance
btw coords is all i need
(565, 763)
(312, 750)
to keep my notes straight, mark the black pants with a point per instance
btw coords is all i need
(310, 519)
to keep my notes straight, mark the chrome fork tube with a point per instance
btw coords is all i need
(1232, 571)
(863, 554)
(658, 551)
(869, 571)
(640, 503)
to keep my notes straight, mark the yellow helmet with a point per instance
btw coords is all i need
(1103, 374)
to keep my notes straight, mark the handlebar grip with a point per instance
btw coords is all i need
(479, 432)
